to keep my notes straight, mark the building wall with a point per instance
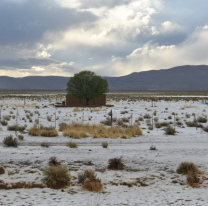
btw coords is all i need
(100, 101)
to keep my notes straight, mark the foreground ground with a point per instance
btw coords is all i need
(149, 177)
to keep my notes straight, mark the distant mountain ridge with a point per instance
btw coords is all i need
(182, 78)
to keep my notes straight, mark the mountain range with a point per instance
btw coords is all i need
(181, 78)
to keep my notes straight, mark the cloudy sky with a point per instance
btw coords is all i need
(109, 37)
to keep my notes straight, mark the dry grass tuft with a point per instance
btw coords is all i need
(77, 131)
(190, 106)
(116, 164)
(93, 186)
(186, 167)
(34, 131)
(192, 179)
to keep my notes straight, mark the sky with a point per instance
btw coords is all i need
(108, 37)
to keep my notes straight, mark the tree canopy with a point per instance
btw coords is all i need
(86, 85)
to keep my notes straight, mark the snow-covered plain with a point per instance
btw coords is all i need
(153, 173)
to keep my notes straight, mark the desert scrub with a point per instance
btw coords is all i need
(153, 147)
(107, 122)
(170, 130)
(49, 118)
(147, 116)
(205, 129)
(202, 119)
(158, 125)
(164, 124)
(56, 177)
(20, 137)
(191, 124)
(115, 164)
(44, 144)
(89, 181)
(53, 161)
(186, 167)
(77, 131)
(105, 144)
(15, 127)
(4, 122)
(72, 145)
(192, 179)
(9, 141)
(34, 131)
(7, 118)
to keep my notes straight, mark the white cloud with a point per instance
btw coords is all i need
(193, 51)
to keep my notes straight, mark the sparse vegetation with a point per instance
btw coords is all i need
(115, 164)
(72, 145)
(186, 167)
(202, 119)
(34, 131)
(170, 130)
(9, 141)
(44, 144)
(53, 161)
(56, 177)
(105, 144)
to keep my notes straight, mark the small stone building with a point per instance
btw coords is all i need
(72, 101)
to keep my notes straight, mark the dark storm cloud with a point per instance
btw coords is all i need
(27, 21)
(26, 63)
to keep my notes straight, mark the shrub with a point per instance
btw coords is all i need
(192, 124)
(158, 125)
(62, 126)
(53, 161)
(72, 145)
(170, 130)
(188, 115)
(156, 119)
(7, 117)
(15, 127)
(186, 167)
(106, 122)
(105, 144)
(115, 164)
(89, 181)
(95, 186)
(56, 177)
(202, 119)
(141, 119)
(4, 122)
(147, 116)
(44, 144)
(20, 137)
(49, 118)
(164, 124)
(46, 132)
(169, 117)
(9, 141)
(192, 179)
(153, 147)
(205, 129)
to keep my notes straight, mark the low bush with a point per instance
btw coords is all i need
(44, 144)
(9, 141)
(153, 147)
(156, 119)
(106, 122)
(53, 161)
(34, 131)
(158, 125)
(202, 119)
(147, 116)
(105, 144)
(56, 177)
(77, 131)
(20, 137)
(72, 145)
(15, 127)
(49, 118)
(141, 119)
(7, 117)
(186, 167)
(115, 164)
(205, 129)
(4, 122)
(89, 181)
(191, 124)
(192, 179)
(164, 124)
(170, 130)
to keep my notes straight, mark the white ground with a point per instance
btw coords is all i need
(154, 168)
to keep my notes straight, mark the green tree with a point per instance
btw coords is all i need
(87, 85)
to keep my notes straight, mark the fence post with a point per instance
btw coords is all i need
(152, 121)
(55, 120)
